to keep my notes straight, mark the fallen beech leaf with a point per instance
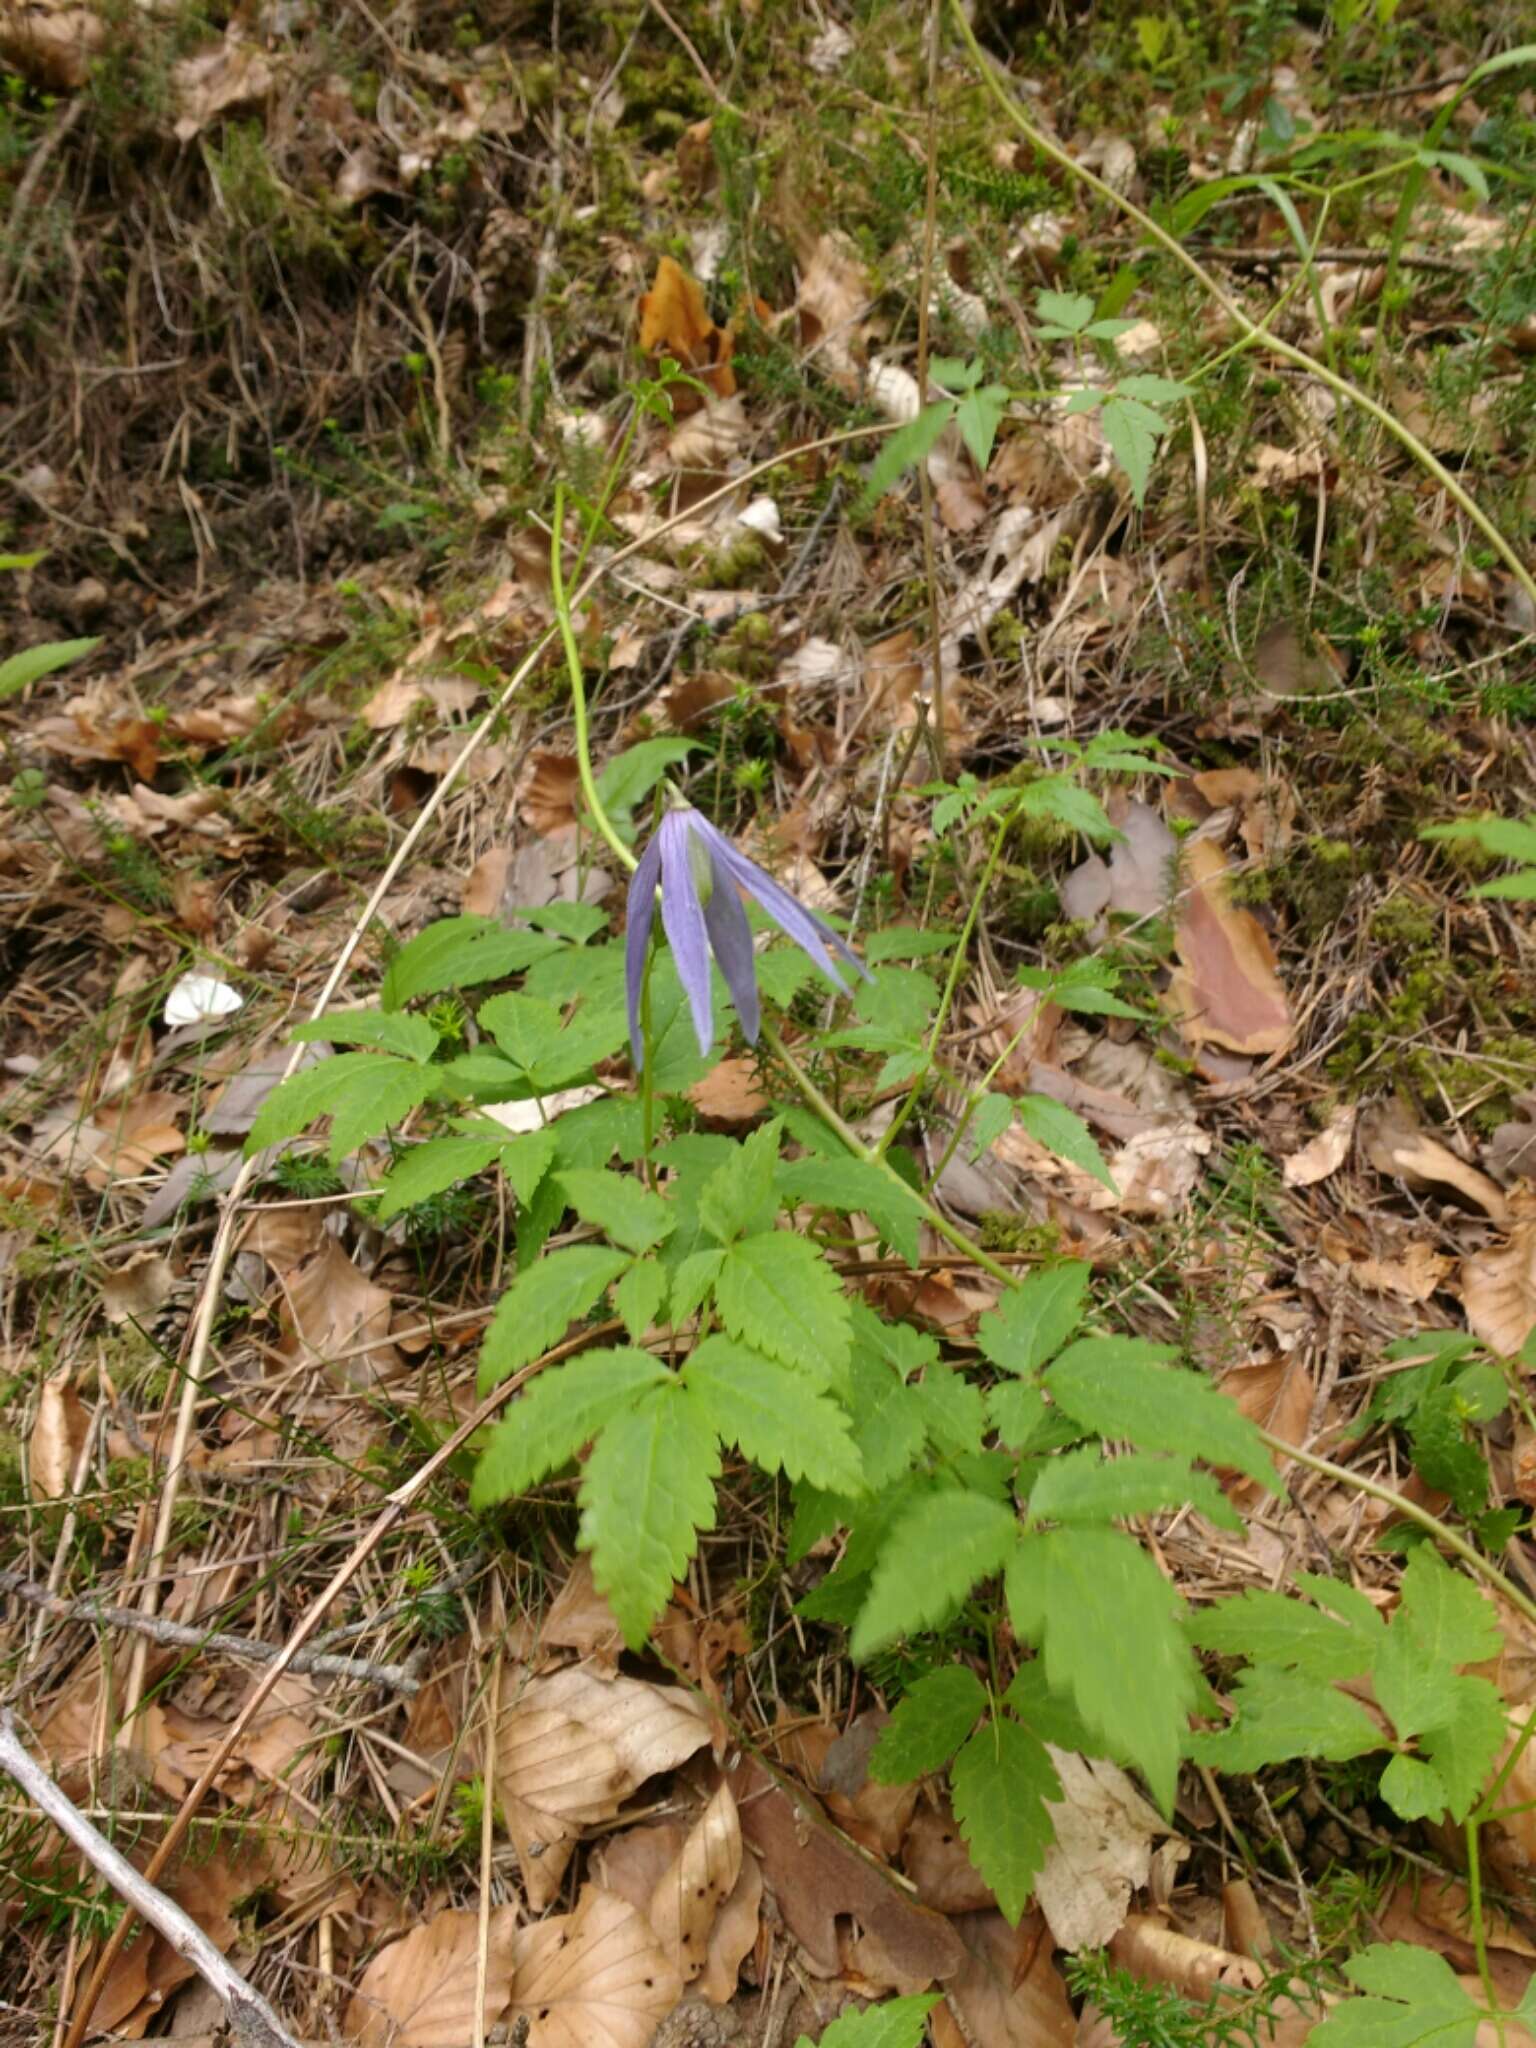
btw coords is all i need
(548, 791)
(709, 438)
(832, 298)
(393, 702)
(936, 1859)
(1101, 1855)
(692, 1890)
(1137, 878)
(571, 1748)
(580, 1619)
(1394, 1144)
(1008, 1992)
(233, 73)
(1225, 990)
(420, 1992)
(58, 1436)
(1323, 1154)
(595, 1978)
(1498, 1286)
(674, 321)
(485, 886)
(135, 1292)
(329, 1306)
(816, 1877)
(1415, 1276)
(53, 46)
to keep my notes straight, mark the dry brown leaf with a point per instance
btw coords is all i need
(53, 46)
(233, 73)
(1148, 1948)
(420, 1992)
(1008, 1992)
(709, 438)
(394, 701)
(580, 1619)
(1137, 878)
(137, 1291)
(548, 791)
(1436, 1915)
(1394, 1144)
(1498, 1286)
(1225, 990)
(729, 1093)
(936, 1859)
(674, 321)
(692, 1890)
(1101, 1854)
(1277, 1394)
(58, 1436)
(1323, 1154)
(485, 886)
(1415, 1276)
(734, 1934)
(831, 299)
(816, 1877)
(329, 1306)
(595, 1978)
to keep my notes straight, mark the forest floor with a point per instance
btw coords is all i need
(307, 313)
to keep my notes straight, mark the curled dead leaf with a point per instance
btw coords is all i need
(1498, 1286)
(1225, 990)
(58, 1436)
(420, 1992)
(1394, 1144)
(1324, 1154)
(595, 1978)
(1101, 1855)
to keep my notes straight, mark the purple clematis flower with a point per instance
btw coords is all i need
(700, 873)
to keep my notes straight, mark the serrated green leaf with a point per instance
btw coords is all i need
(978, 416)
(386, 1030)
(850, 1184)
(776, 1291)
(562, 1409)
(999, 1784)
(365, 1104)
(904, 1349)
(888, 1418)
(693, 1280)
(1445, 1613)
(1279, 1715)
(1085, 1486)
(990, 1118)
(540, 1306)
(1419, 2004)
(524, 1027)
(633, 774)
(1032, 1323)
(1046, 1713)
(904, 450)
(460, 952)
(17, 671)
(898, 1000)
(1024, 1419)
(1516, 888)
(428, 1169)
(1122, 1387)
(618, 1206)
(1070, 311)
(1442, 1455)
(953, 1411)
(592, 1132)
(305, 1097)
(931, 1720)
(647, 1489)
(773, 1414)
(1270, 1628)
(1062, 1131)
(931, 1560)
(1133, 439)
(897, 2024)
(1066, 801)
(1107, 1622)
(741, 1196)
(524, 1160)
(580, 921)
(485, 1076)
(1153, 390)
(913, 942)
(1464, 1746)
(638, 1296)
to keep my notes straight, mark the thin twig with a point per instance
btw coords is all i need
(252, 2022)
(177, 1633)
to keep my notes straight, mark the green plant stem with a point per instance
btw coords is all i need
(952, 979)
(600, 817)
(1339, 385)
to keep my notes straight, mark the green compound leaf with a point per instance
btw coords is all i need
(905, 449)
(1271, 1628)
(897, 2024)
(413, 1038)
(929, 1563)
(1122, 1387)
(619, 1207)
(1279, 1715)
(1085, 1486)
(541, 1304)
(1445, 1613)
(460, 952)
(1418, 2004)
(777, 1292)
(563, 1409)
(1062, 1131)
(992, 1116)
(851, 1184)
(741, 1197)
(440, 1163)
(307, 1096)
(1000, 1783)
(366, 1104)
(931, 1721)
(638, 1296)
(1031, 1324)
(646, 1491)
(1107, 1622)
(889, 1423)
(773, 1414)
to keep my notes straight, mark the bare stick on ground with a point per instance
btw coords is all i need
(252, 2022)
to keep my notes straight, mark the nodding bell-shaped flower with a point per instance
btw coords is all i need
(700, 873)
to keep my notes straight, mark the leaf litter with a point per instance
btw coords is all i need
(1314, 1135)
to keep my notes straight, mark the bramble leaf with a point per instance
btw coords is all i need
(647, 1489)
(563, 1409)
(541, 1304)
(999, 1783)
(773, 1414)
(1123, 1387)
(1100, 1610)
(931, 1720)
(776, 1291)
(929, 1563)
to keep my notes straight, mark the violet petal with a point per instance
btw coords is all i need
(640, 916)
(682, 915)
(731, 938)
